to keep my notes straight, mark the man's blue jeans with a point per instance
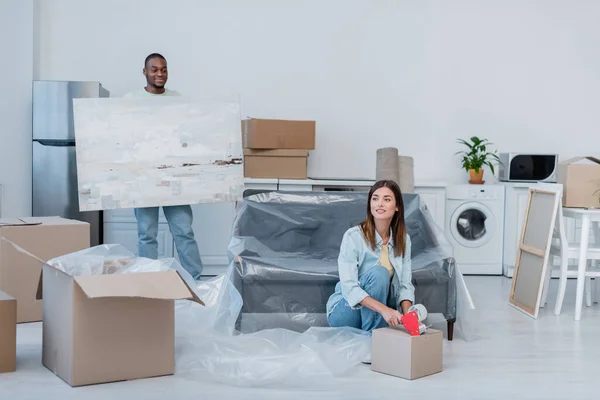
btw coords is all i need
(180, 223)
(376, 282)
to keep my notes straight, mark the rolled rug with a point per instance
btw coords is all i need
(406, 174)
(387, 164)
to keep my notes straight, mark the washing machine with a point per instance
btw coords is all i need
(475, 227)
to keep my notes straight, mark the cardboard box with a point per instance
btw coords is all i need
(8, 333)
(47, 238)
(278, 134)
(284, 164)
(580, 177)
(395, 352)
(108, 328)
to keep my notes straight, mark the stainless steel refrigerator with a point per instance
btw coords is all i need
(54, 164)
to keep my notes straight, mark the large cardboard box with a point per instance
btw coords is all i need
(8, 333)
(580, 177)
(395, 352)
(47, 238)
(278, 134)
(284, 164)
(112, 327)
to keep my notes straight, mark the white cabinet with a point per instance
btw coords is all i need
(515, 207)
(212, 229)
(125, 234)
(434, 198)
(127, 215)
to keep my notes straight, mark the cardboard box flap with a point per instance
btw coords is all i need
(5, 297)
(153, 285)
(42, 262)
(166, 285)
(588, 160)
(18, 222)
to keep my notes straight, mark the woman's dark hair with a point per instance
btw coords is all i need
(397, 225)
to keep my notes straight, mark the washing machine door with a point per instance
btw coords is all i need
(472, 224)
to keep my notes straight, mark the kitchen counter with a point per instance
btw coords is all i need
(351, 182)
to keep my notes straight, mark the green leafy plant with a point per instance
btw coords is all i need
(477, 154)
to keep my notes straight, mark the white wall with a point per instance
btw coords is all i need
(414, 75)
(16, 48)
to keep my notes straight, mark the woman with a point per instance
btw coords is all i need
(374, 266)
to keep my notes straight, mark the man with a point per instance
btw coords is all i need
(178, 217)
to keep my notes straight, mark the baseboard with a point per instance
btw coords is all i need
(508, 271)
(480, 269)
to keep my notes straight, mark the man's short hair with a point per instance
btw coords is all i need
(152, 56)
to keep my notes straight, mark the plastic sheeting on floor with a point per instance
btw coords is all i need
(208, 348)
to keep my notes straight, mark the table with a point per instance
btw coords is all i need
(587, 216)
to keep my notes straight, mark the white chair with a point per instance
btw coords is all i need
(564, 250)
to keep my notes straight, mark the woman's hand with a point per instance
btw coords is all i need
(391, 316)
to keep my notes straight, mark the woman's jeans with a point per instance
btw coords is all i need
(376, 282)
(180, 223)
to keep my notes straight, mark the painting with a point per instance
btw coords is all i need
(157, 151)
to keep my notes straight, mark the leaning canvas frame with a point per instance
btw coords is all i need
(528, 284)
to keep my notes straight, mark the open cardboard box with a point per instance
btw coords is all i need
(111, 327)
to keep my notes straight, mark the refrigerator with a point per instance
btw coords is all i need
(54, 166)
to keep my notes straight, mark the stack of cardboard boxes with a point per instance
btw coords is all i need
(277, 148)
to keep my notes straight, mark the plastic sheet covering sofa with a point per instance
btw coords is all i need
(284, 250)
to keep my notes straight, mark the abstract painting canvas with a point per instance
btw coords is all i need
(157, 151)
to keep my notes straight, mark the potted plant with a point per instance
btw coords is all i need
(476, 157)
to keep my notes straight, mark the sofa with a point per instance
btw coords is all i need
(284, 248)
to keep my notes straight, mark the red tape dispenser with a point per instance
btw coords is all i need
(412, 320)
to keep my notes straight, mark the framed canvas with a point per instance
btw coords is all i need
(157, 151)
(534, 250)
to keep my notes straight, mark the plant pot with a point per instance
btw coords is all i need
(476, 177)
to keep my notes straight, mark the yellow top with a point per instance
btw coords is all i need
(384, 259)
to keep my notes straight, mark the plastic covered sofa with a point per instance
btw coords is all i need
(284, 248)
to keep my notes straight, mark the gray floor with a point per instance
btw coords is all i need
(512, 356)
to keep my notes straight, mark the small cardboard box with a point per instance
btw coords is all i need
(8, 333)
(580, 177)
(284, 164)
(108, 328)
(47, 238)
(395, 352)
(278, 134)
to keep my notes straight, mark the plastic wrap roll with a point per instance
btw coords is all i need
(387, 164)
(406, 174)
